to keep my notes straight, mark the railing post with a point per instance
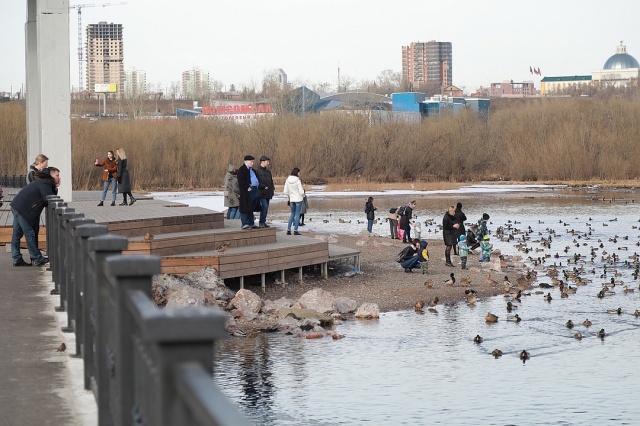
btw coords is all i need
(127, 274)
(86, 309)
(66, 284)
(74, 313)
(52, 240)
(100, 248)
(51, 199)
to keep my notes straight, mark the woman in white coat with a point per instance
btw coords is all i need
(293, 189)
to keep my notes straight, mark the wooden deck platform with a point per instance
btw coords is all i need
(187, 238)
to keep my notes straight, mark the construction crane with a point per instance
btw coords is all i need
(79, 8)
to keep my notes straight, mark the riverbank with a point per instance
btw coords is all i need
(381, 280)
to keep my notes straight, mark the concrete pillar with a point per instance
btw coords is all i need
(48, 93)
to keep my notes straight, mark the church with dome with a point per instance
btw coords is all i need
(620, 70)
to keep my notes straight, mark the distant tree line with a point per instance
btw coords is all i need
(561, 139)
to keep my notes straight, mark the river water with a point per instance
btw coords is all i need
(407, 368)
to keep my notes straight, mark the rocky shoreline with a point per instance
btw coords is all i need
(309, 308)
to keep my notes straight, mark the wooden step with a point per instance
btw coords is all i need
(286, 253)
(167, 244)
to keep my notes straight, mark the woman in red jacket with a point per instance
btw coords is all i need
(109, 177)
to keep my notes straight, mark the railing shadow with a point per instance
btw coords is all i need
(144, 364)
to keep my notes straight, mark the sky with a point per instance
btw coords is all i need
(237, 42)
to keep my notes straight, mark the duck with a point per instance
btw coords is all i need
(627, 289)
(601, 333)
(511, 306)
(578, 336)
(497, 353)
(451, 281)
(587, 323)
(614, 311)
(434, 302)
(636, 313)
(548, 297)
(471, 299)
(428, 284)
(491, 281)
(419, 305)
(514, 318)
(524, 355)
(478, 339)
(491, 317)
(465, 281)
(600, 294)
(569, 324)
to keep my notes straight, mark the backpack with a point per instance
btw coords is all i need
(366, 208)
(400, 256)
(393, 210)
(401, 210)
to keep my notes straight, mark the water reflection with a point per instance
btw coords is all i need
(425, 369)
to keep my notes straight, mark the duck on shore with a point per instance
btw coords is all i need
(524, 355)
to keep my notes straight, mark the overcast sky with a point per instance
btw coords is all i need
(238, 41)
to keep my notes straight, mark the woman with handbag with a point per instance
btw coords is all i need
(109, 176)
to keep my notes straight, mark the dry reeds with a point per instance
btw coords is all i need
(545, 140)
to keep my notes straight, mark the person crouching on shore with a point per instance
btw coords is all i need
(411, 257)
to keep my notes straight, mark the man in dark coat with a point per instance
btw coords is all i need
(266, 189)
(406, 220)
(248, 183)
(26, 208)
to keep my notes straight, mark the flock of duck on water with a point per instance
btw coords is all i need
(573, 275)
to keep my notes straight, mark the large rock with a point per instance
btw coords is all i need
(246, 300)
(186, 296)
(318, 300)
(345, 305)
(281, 303)
(208, 279)
(302, 314)
(368, 310)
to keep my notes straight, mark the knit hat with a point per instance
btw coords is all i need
(231, 167)
(486, 238)
(463, 237)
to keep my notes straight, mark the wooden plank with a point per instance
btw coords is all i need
(179, 261)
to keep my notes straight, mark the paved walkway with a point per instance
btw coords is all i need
(36, 381)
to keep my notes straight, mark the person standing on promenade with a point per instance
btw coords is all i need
(460, 218)
(369, 210)
(124, 181)
(449, 233)
(26, 208)
(294, 190)
(232, 193)
(266, 189)
(406, 219)
(109, 176)
(248, 184)
(41, 162)
(393, 222)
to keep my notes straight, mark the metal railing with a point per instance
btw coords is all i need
(14, 181)
(145, 365)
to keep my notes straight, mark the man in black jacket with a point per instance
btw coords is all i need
(266, 189)
(26, 208)
(248, 183)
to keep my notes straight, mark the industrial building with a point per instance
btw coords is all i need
(438, 105)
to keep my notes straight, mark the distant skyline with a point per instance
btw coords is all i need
(237, 42)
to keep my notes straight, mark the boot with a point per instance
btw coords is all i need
(101, 203)
(133, 200)
(463, 261)
(124, 203)
(447, 255)
(113, 203)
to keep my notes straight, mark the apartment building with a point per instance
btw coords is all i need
(105, 57)
(135, 83)
(195, 84)
(427, 66)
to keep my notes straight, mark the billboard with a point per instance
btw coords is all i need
(105, 88)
